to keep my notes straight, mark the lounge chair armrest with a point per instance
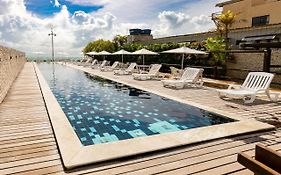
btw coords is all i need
(234, 86)
(261, 90)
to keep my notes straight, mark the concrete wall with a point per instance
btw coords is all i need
(234, 35)
(139, 38)
(11, 63)
(182, 38)
(246, 62)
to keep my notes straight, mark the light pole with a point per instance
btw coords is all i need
(52, 34)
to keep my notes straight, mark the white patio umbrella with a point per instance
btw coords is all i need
(104, 53)
(92, 53)
(122, 52)
(184, 50)
(144, 52)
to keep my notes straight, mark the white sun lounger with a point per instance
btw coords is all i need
(82, 62)
(76, 61)
(191, 76)
(152, 74)
(91, 63)
(104, 62)
(255, 83)
(127, 71)
(87, 62)
(110, 68)
(95, 62)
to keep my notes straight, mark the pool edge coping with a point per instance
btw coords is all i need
(74, 154)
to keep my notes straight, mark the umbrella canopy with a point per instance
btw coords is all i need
(144, 52)
(122, 52)
(92, 53)
(184, 50)
(104, 53)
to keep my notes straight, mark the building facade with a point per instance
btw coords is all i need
(235, 35)
(253, 13)
(258, 22)
(255, 19)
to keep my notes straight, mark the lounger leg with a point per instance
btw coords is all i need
(274, 98)
(222, 95)
(251, 100)
(201, 84)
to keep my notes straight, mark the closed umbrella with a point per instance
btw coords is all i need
(184, 50)
(144, 52)
(122, 52)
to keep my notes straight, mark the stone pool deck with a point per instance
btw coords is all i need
(28, 145)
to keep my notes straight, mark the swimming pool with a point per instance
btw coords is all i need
(169, 131)
(102, 111)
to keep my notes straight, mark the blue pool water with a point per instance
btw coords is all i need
(101, 110)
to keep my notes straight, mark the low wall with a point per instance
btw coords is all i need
(246, 62)
(11, 63)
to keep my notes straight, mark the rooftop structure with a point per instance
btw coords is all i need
(139, 35)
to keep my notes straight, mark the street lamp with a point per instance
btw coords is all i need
(52, 34)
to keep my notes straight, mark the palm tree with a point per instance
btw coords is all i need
(120, 40)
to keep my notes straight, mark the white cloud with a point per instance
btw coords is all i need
(89, 2)
(25, 31)
(170, 21)
(173, 19)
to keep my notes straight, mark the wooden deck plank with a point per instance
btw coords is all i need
(242, 172)
(174, 160)
(54, 169)
(27, 143)
(30, 167)
(190, 165)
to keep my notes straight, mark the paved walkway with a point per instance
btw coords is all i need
(28, 145)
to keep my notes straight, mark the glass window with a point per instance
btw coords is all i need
(260, 20)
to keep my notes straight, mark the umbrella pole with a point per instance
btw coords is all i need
(182, 61)
(122, 58)
(142, 59)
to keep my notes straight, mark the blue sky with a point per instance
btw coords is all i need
(25, 24)
(46, 8)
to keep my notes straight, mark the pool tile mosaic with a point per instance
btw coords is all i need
(102, 111)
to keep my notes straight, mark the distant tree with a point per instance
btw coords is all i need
(100, 45)
(132, 47)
